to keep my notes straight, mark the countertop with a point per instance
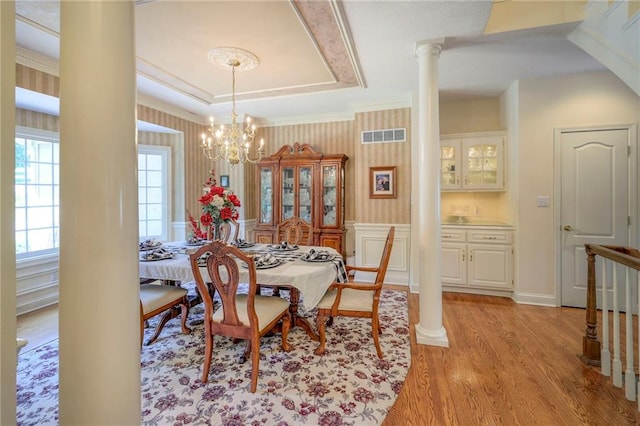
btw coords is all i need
(475, 221)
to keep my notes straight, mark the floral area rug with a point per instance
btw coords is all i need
(348, 385)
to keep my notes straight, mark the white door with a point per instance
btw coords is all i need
(593, 205)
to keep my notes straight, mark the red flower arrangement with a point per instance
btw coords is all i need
(218, 205)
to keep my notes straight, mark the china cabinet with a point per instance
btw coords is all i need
(298, 181)
(477, 258)
(470, 162)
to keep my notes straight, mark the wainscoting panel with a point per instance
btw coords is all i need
(37, 283)
(369, 243)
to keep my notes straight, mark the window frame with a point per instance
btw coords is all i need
(30, 133)
(166, 154)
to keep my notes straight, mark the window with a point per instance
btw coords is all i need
(153, 192)
(37, 192)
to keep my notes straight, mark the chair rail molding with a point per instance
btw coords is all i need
(369, 243)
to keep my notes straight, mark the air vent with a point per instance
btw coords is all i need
(383, 136)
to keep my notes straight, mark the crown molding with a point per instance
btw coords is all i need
(394, 103)
(39, 62)
(308, 119)
(165, 107)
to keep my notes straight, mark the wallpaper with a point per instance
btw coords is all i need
(330, 137)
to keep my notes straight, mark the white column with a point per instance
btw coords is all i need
(430, 330)
(7, 214)
(99, 292)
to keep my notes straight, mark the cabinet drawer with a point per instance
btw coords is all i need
(457, 235)
(490, 236)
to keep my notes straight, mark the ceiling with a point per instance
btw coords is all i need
(322, 59)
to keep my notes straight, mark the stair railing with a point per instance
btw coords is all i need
(593, 352)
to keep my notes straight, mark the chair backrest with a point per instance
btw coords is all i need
(295, 231)
(384, 259)
(223, 272)
(229, 231)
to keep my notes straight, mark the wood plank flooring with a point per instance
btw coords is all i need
(507, 364)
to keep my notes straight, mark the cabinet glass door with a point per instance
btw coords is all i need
(329, 195)
(266, 195)
(449, 159)
(287, 197)
(305, 193)
(482, 164)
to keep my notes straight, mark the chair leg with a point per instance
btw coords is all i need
(255, 362)
(208, 352)
(375, 331)
(165, 318)
(246, 352)
(184, 307)
(286, 325)
(320, 324)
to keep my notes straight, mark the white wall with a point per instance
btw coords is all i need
(589, 99)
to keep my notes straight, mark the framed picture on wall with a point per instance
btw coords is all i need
(382, 182)
(224, 181)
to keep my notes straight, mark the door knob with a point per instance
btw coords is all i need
(569, 228)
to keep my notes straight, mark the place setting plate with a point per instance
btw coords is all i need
(318, 256)
(266, 261)
(242, 244)
(149, 245)
(159, 254)
(282, 247)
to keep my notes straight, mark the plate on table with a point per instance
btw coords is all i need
(264, 261)
(195, 243)
(160, 254)
(241, 244)
(318, 256)
(282, 247)
(149, 245)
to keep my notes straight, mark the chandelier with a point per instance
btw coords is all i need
(232, 143)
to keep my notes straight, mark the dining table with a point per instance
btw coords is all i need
(307, 278)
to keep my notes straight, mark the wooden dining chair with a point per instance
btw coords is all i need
(156, 299)
(295, 231)
(241, 316)
(229, 231)
(354, 299)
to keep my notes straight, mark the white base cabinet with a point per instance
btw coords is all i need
(479, 258)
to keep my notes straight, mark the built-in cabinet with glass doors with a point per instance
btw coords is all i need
(472, 162)
(299, 182)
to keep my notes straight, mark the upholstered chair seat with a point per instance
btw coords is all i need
(267, 309)
(351, 300)
(158, 298)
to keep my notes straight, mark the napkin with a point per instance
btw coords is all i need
(242, 243)
(157, 254)
(265, 260)
(318, 255)
(149, 244)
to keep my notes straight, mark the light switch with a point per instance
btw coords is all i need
(543, 201)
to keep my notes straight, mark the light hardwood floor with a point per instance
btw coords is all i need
(507, 364)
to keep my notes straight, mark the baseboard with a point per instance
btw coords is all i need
(535, 299)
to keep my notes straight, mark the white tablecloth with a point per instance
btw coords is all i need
(312, 279)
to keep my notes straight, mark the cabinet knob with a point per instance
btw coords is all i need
(569, 228)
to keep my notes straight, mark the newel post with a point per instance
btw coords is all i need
(590, 342)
